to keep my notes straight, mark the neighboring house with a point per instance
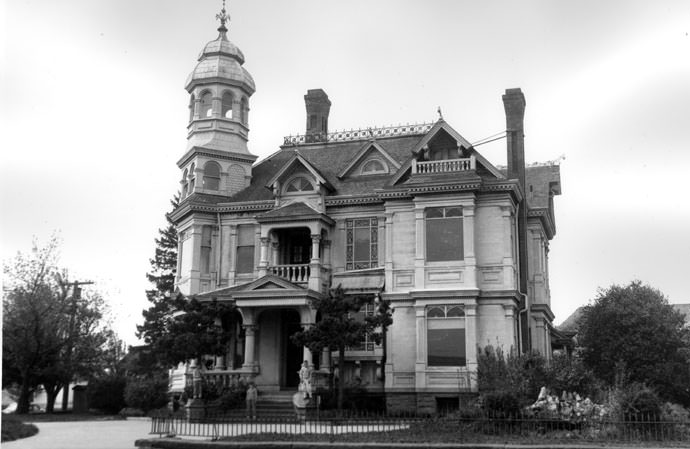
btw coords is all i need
(412, 214)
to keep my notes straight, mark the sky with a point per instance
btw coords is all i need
(94, 116)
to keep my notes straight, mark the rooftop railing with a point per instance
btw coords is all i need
(358, 134)
(444, 166)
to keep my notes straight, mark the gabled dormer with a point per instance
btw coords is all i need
(443, 151)
(299, 181)
(371, 160)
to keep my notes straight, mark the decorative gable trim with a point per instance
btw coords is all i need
(297, 158)
(364, 151)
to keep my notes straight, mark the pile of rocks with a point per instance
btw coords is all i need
(569, 407)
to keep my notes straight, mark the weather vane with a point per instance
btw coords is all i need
(440, 115)
(223, 17)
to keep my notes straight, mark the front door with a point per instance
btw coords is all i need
(291, 353)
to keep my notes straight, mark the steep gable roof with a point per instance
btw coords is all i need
(368, 148)
(298, 159)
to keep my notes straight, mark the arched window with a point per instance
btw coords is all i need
(211, 178)
(445, 336)
(226, 106)
(192, 178)
(374, 166)
(244, 110)
(206, 107)
(299, 184)
(185, 184)
(191, 107)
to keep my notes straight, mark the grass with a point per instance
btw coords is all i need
(13, 428)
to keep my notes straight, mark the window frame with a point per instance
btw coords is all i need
(351, 227)
(239, 244)
(383, 170)
(431, 239)
(295, 178)
(208, 178)
(446, 323)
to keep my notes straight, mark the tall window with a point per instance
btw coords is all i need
(444, 234)
(445, 336)
(206, 248)
(367, 344)
(362, 243)
(206, 107)
(226, 105)
(245, 249)
(211, 179)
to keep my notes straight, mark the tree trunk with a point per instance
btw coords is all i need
(341, 373)
(25, 396)
(65, 395)
(52, 390)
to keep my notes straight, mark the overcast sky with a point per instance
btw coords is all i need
(94, 116)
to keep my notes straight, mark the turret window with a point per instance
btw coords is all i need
(206, 249)
(206, 109)
(226, 105)
(299, 184)
(211, 180)
(191, 179)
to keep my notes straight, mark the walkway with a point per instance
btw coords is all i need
(84, 435)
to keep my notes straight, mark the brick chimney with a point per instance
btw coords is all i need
(318, 106)
(514, 105)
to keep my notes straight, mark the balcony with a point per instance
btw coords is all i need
(444, 166)
(297, 274)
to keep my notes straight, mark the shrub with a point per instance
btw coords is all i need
(13, 428)
(232, 398)
(146, 393)
(501, 404)
(521, 374)
(107, 394)
(635, 402)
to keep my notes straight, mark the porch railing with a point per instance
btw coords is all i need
(297, 274)
(444, 166)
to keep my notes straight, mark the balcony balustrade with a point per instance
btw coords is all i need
(444, 166)
(297, 274)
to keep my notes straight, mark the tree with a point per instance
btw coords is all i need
(632, 331)
(48, 335)
(178, 328)
(339, 328)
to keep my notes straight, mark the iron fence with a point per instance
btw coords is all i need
(379, 427)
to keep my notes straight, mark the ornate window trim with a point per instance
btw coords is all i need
(382, 170)
(353, 259)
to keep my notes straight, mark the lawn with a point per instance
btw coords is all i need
(13, 428)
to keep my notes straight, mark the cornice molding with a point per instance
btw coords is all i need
(216, 154)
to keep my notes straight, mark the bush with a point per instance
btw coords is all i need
(13, 428)
(501, 404)
(635, 402)
(521, 374)
(107, 394)
(146, 393)
(232, 398)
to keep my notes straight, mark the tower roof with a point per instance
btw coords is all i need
(221, 61)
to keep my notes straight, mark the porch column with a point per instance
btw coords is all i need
(274, 254)
(263, 262)
(307, 318)
(326, 360)
(315, 263)
(249, 345)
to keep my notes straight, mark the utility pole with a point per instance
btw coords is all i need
(76, 295)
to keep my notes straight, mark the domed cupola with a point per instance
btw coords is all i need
(218, 129)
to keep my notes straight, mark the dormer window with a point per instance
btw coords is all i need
(226, 106)
(206, 107)
(299, 184)
(211, 180)
(374, 167)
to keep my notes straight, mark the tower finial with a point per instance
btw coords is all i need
(223, 17)
(440, 114)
